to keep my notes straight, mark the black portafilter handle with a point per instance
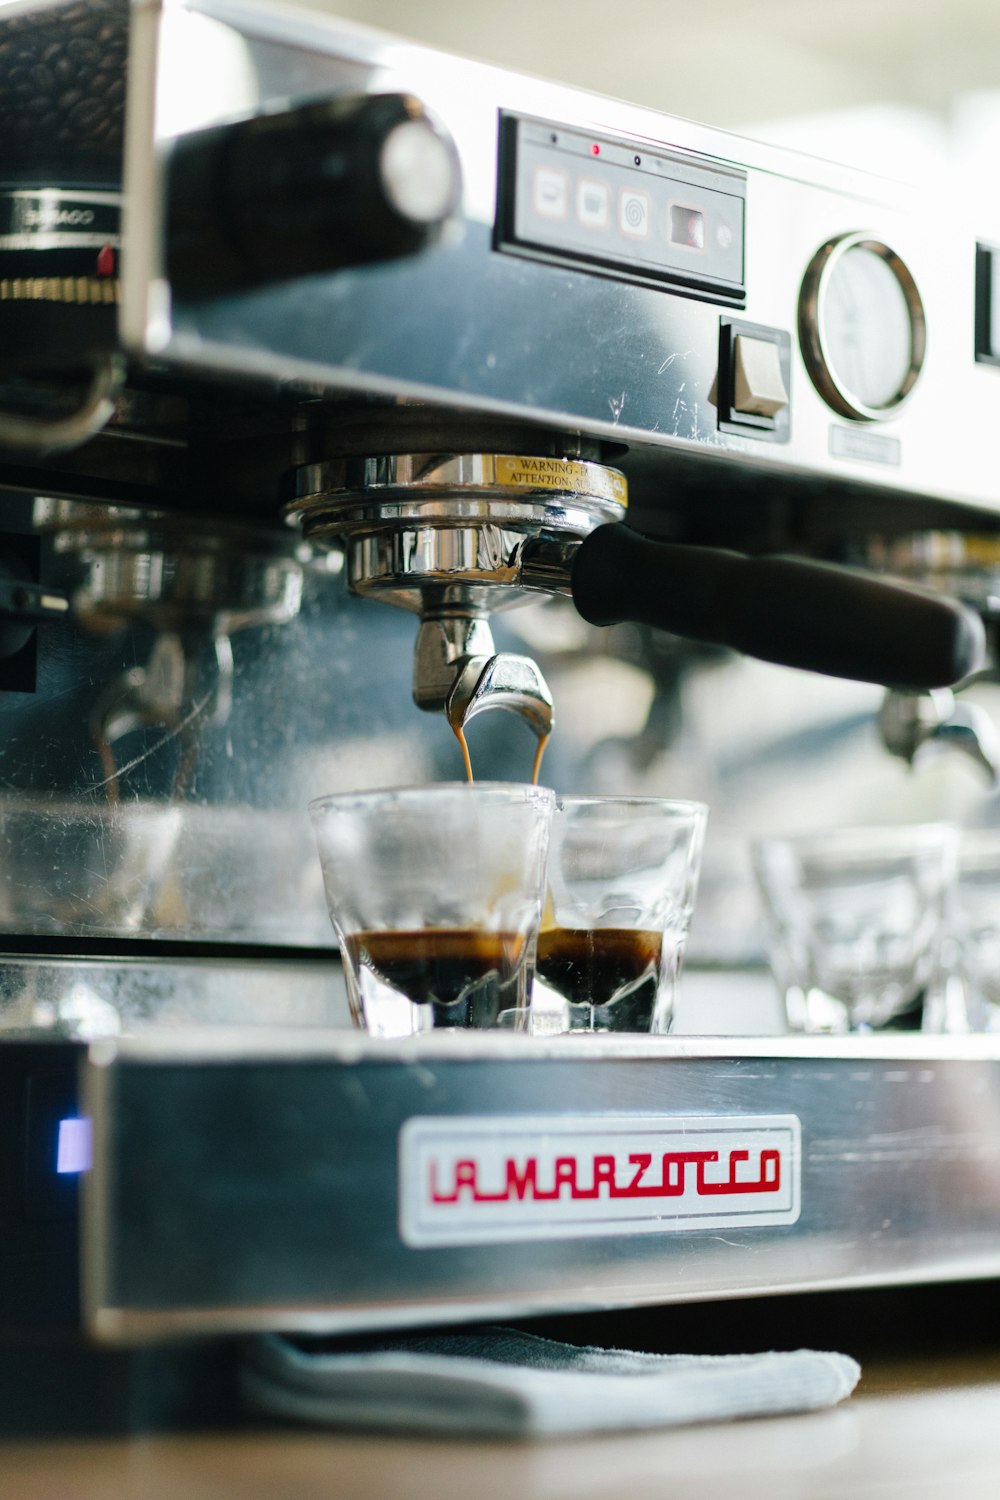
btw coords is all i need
(796, 613)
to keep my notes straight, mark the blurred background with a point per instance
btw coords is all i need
(901, 87)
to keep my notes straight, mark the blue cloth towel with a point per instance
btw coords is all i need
(499, 1381)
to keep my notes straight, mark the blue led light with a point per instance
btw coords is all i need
(74, 1151)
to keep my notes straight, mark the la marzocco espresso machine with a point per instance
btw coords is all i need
(597, 397)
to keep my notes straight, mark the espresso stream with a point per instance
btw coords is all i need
(459, 732)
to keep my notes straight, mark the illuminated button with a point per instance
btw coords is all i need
(758, 383)
(550, 192)
(593, 204)
(633, 214)
(74, 1146)
(686, 226)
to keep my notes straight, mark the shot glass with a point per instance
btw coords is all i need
(977, 926)
(435, 896)
(858, 922)
(622, 877)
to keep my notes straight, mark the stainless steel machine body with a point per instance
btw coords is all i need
(528, 313)
(538, 311)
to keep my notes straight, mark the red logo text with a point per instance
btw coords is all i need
(571, 1177)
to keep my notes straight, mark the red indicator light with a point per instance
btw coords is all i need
(595, 149)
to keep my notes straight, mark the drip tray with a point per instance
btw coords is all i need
(247, 1180)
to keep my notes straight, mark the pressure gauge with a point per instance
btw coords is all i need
(861, 327)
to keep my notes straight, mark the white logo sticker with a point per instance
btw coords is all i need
(482, 1179)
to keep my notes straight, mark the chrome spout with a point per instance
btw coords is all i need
(915, 725)
(502, 681)
(445, 642)
(457, 671)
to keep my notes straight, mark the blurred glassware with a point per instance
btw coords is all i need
(977, 925)
(78, 869)
(243, 874)
(622, 877)
(859, 922)
(435, 894)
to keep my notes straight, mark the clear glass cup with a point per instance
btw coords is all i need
(858, 924)
(86, 869)
(435, 895)
(622, 877)
(977, 925)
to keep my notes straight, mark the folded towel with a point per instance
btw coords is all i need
(499, 1381)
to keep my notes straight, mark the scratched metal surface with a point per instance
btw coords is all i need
(262, 1191)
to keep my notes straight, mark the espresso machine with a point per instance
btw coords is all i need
(350, 390)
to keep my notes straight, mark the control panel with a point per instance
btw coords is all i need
(591, 200)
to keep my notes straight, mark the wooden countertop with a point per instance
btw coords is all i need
(918, 1428)
(924, 1423)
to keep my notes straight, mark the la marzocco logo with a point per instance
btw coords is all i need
(468, 1179)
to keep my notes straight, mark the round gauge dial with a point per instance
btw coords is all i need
(861, 327)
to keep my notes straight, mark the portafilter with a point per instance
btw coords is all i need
(455, 537)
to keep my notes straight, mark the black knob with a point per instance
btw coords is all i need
(340, 183)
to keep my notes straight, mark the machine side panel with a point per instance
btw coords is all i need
(252, 1193)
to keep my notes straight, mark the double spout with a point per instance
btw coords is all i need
(457, 671)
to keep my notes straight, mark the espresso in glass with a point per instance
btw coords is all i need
(435, 893)
(464, 976)
(621, 880)
(608, 976)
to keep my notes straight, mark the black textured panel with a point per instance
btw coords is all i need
(62, 93)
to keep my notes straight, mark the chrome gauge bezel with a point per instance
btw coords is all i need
(812, 320)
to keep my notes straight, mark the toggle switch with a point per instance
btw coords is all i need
(752, 387)
(758, 380)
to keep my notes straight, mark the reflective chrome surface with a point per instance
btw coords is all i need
(876, 1118)
(278, 1172)
(448, 534)
(503, 681)
(502, 333)
(425, 528)
(178, 572)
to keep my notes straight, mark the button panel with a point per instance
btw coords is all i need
(647, 214)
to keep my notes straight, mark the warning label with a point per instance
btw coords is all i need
(563, 474)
